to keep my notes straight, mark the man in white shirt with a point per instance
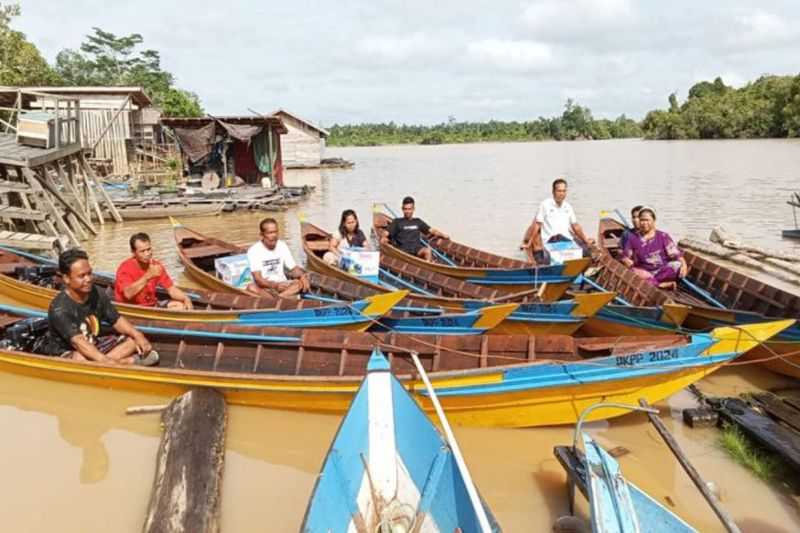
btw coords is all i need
(555, 221)
(270, 261)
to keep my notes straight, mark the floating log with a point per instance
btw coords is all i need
(721, 236)
(188, 479)
(785, 271)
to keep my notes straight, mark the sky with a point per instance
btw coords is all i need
(421, 62)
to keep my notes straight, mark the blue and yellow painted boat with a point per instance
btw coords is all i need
(616, 505)
(554, 280)
(389, 469)
(435, 290)
(484, 380)
(358, 315)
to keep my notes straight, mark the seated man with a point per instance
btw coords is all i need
(75, 315)
(556, 221)
(406, 232)
(140, 275)
(633, 229)
(270, 260)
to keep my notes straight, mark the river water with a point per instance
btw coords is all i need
(72, 461)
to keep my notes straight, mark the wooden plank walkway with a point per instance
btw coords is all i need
(21, 213)
(27, 241)
(20, 155)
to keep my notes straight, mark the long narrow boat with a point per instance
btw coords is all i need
(745, 300)
(557, 278)
(610, 319)
(431, 287)
(484, 380)
(616, 505)
(471, 318)
(389, 469)
(358, 315)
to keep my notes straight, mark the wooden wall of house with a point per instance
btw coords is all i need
(112, 145)
(302, 146)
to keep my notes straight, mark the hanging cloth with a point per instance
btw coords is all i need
(262, 152)
(241, 132)
(196, 143)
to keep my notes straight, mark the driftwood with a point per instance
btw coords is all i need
(779, 269)
(188, 479)
(722, 237)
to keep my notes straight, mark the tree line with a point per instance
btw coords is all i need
(766, 108)
(576, 122)
(102, 59)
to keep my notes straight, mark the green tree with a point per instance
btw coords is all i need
(107, 59)
(21, 63)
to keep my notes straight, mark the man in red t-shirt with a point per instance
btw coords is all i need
(140, 275)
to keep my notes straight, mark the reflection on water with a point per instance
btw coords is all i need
(76, 460)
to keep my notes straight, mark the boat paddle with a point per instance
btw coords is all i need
(480, 512)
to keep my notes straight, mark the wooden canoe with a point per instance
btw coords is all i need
(615, 504)
(388, 464)
(436, 289)
(556, 278)
(154, 210)
(746, 300)
(503, 380)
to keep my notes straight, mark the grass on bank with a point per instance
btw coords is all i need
(744, 451)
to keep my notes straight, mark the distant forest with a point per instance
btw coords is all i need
(576, 122)
(766, 108)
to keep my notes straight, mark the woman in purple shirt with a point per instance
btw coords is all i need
(652, 254)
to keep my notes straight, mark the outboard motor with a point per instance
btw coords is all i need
(41, 275)
(23, 334)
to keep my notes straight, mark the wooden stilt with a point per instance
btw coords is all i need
(92, 181)
(45, 204)
(48, 184)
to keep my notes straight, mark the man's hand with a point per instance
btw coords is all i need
(684, 270)
(590, 241)
(143, 346)
(187, 304)
(154, 270)
(305, 283)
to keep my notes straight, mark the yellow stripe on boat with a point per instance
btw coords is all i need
(491, 316)
(674, 314)
(574, 267)
(744, 338)
(380, 304)
(590, 303)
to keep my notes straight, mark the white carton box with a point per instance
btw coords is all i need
(234, 270)
(361, 263)
(563, 251)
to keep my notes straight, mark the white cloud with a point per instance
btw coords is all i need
(397, 49)
(565, 18)
(515, 56)
(761, 28)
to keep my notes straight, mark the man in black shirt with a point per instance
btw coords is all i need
(75, 315)
(406, 233)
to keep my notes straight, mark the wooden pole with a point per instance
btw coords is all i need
(44, 203)
(725, 518)
(480, 511)
(91, 180)
(55, 192)
(188, 479)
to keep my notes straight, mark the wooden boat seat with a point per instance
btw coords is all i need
(318, 246)
(8, 268)
(208, 250)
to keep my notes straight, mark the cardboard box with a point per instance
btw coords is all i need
(563, 251)
(234, 270)
(361, 263)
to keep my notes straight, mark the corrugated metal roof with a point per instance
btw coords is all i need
(138, 95)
